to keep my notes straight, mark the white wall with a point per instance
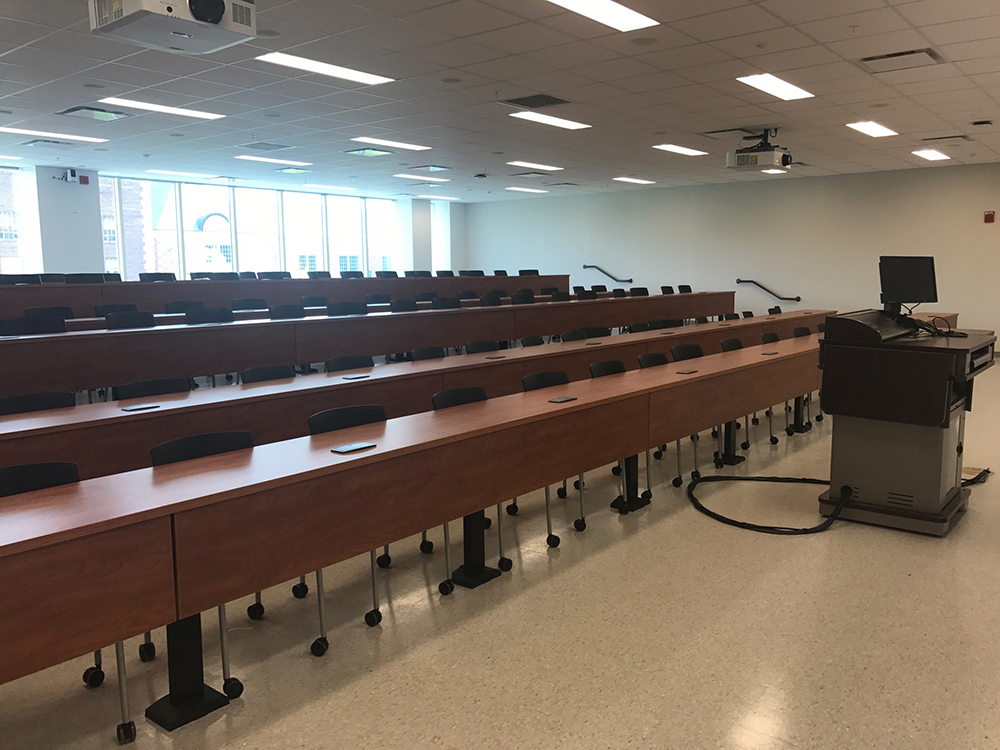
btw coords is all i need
(69, 215)
(815, 237)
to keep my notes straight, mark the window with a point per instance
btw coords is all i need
(308, 263)
(258, 235)
(20, 236)
(108, 188)
(441, 234)
(208, 243)
(383, 235)
(303, 222)
(349, 263)
(8, 225)
(148, 222)
(345, 231)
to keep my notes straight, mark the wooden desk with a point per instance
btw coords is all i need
(101, 439)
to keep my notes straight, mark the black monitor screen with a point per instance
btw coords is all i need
(907, 279)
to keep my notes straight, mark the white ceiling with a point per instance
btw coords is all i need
(665, 84)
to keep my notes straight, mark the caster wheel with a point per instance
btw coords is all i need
(300, 591)
(789, 431)
(769, 413)
(755, 421)
(561, 493)
(677, 482)
(233, 688)
(808, 425)
(576, 484)
(147, 652)
(229, 378)
(552, 540)
(647, 495)
(505, 564)
(446, 587)
(93, 677)
(696, 474)
(715, 433)
(788, 409)
(695, 438)
(487, 522)
(320, 646)
(580, 524)
(774, 440)
(715, 455)
(719, 463)
(819, 417)
(745, 445)
(383, 561)
(427, 547)
(658, 455)
(616, 470)
(255, 611)
(739, 426)
(512, 509)
(373, 618)
(126, 733)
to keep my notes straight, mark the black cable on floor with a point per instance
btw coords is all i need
(845, 495)
(980, 478)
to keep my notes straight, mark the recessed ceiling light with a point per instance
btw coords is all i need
(683, 150)
(290, 163)
(328, 187)
(556, 122)
(525, 190)
(322, 68)
(609, 13)
(368, 152)
(633, 180)
(293, 170)
(872, 128)
(391, 144)
(163, 109)
(928, 153)
(421, 177)
(12, 158)
(774, 86)
(45, 134)
(438, 198)
(530, 165)
(773, 171)
(182, 174)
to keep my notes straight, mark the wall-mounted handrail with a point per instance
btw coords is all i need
(610, 276)
(769, 291)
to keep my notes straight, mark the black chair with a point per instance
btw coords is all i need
(201, 275)
(528, 272)
(490, 300)
(656, 325)
(51, 278)
(683, 289)
(112, 277)
(666, 290)
(578, 289)
(500, 272)
(561, 297)
(482, 347)
(732, 345)
(598, 288)
(472, 273)
(653, 359)
(286, 312)
(318, 275)
(548, 290)
(527, 292)
(800, 331)
(247, 275)
(821, 328)
(352, 274)
(403, 305)
(586, 295)
(576, 334)
(349, 362)
(377, 299)
(427, 352)
(468, 295)
(202, 315)
(101, 311)
(157, 277)
(122, 320)
(274, 275)
(774, 310)
(347, 308)
(446, 303)
(445, 274)
(228, 276)
(32, 326)
(603, 369)
(731, 316)
(639, 291)
(658, 359)
(266, 373)
(748, 313)
(619, 293)
(249, 303)
(638, 328)
(203, 446)
(425, 296)
(150, 388)
(607, 367)
(522, 299)
(66, 313)
(182, 306)
(323, 423)
(314, 301)
(386, 275)
(701, 320)
(532, 341)
(682, 352)
(35, 402)
(12, 279)
(595, 332)
(417, 274)
(83, 278)
(769, 337)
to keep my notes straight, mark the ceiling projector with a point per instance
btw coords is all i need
(192, 27)
(762, 155)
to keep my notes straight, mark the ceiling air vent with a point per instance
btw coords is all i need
(95, 113)
(531, 175)
(939, 138)
(263, 146)
(562, 184)
(914, 58)
(536, 101)
(49, 144)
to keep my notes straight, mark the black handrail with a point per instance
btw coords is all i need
(598, 268)
(769, 291)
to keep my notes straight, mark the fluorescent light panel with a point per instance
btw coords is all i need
(872, 128)
(265, 159)
(525, 190)
(146, 106)
(773, 171)
(438, 198)
(171, 173)
(11, 158)
(556, 122)
(391, 144)
(931, 155)
(421, 177)
(324, 69)
(531, 165)
(328, 187)
(633, 180)
(46, 134)
(682, 150)
(609, 13)
(774, 86)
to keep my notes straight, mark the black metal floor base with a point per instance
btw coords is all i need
(165, 714)
(733, 460)
(471, 579)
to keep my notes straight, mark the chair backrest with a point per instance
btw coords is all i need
(607, 367)
(446, 303)
(352, 274)
(578, 289)
(419, 274)
(349, 362)
(315, 301)
(286, 312)
(83, 278)
(681, 352)
(457, 397)
(272, 275)
(200, 446)
(731, 316)
(182, 306)
(112, 277)
(425, 296)
(102, 310)
(522, 299)
(249, 303)
(427, 352)
(639, 291)
(666, 290)
(35, 402)
(201, 315)
(528, 272)
(66, 313)
(748, 313)
(345, 417)
(538, 380)
(471, 273)
(638, 328)
(653, 359)
(561, 297)
(595, 332)
(378, 299)
(200, 275)
(821, 327)
(500, 272)
(247, 275)
(586, 295)
(774, 310)
(157, 277)
(121, 320)
(16, 480)
(527, 292)
(619, 293)
(701, 319)
(731, 345)
(490, 300)
(468, 294)
(347, 308)
(386, 275)
(403, 305)
(683, 289)
(480, 347)
(800, 331)
(149, 388)
(445, 274)
(576, 334)
(228, 276)
(598, 288)
(769, 337)
(268, 372)
(318, 275)
(548, 290)
(12, 279)
(532, 341)
(52, 278)
(656, 325)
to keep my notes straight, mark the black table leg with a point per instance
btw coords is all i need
(633, 500)
(799, 423)
(189, 698)
(474, 572)
(729, 455)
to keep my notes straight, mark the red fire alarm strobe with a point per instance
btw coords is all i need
(84, 180)
(989, 217)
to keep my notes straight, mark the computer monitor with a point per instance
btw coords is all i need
(906, 280)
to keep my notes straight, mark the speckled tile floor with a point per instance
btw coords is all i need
(661, 629)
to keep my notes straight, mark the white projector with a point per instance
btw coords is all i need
(192, 27)
(771, 157)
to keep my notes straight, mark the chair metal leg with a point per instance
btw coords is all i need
(503, 562)
(745, 445)
(649, 479)
(679, 479)
(374, 617)
(770, 426)
(695, 474)
(321, 645)
(808, 399)
(787, 410)
(125, 730)
(256, 610)
(581, 523)
(720, 450)
(552, 540)
(232, 687)
(426, 545)
(447, 585)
